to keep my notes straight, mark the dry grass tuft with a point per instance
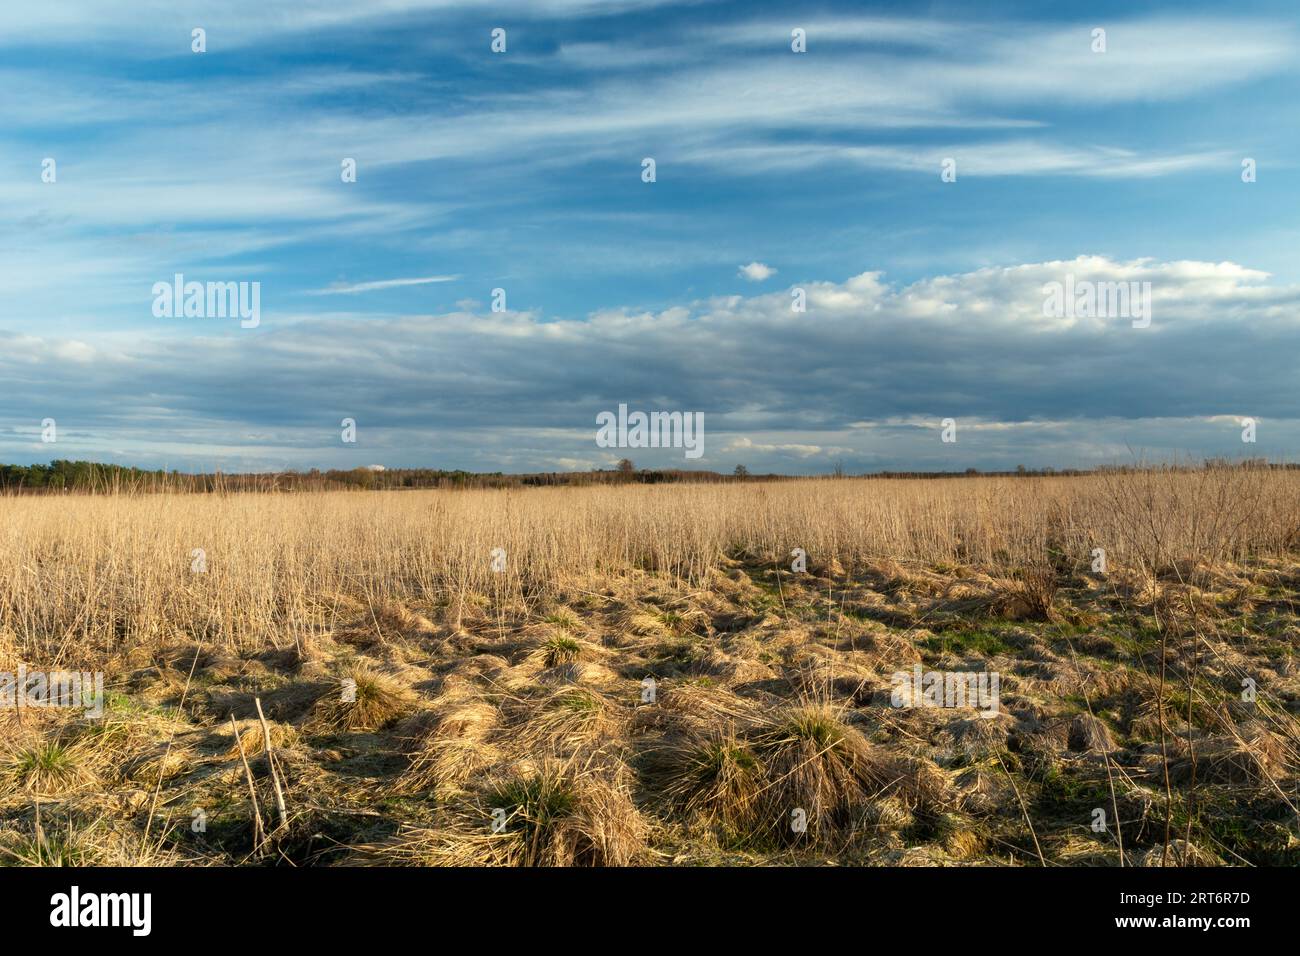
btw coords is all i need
(253, 739)
(560, 649)
(1036, 594)
(1090, 734)
(456, 747)
(549, 814)
(818, 764)
(1251, 758)
(379, 701)
(48, 766)
(567, 720)
(67, 840)
(711, 775)
(443, 765)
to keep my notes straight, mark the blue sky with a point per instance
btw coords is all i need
(522, 171)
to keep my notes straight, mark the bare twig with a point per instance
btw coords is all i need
(259, 834)
(270, 760)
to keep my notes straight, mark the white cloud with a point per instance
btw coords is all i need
(796, 449)
(344, 289)
(864, 375)
(757, 272)
(149, 196)
(1003, 157)
(153, 24)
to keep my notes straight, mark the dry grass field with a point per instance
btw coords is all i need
(424, 708)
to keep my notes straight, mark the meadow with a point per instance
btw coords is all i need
(649, 674)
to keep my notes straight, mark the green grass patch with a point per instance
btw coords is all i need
(982, 642)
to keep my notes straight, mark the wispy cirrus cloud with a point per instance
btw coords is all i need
(521, 172)
(354, 288)
(148, 25)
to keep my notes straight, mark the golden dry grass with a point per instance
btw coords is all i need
(648, 681)
(102, 571)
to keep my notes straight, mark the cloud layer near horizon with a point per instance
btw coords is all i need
(863, 377)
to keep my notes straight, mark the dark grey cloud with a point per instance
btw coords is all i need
(864, 375)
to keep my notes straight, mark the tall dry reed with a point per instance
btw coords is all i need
(82, 576)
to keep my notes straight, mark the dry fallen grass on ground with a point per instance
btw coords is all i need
(648, 682)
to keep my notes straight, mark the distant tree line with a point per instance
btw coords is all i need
(88, 476)
(75, 476)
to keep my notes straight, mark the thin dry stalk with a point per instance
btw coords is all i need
(259, 835)
(270, 762)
